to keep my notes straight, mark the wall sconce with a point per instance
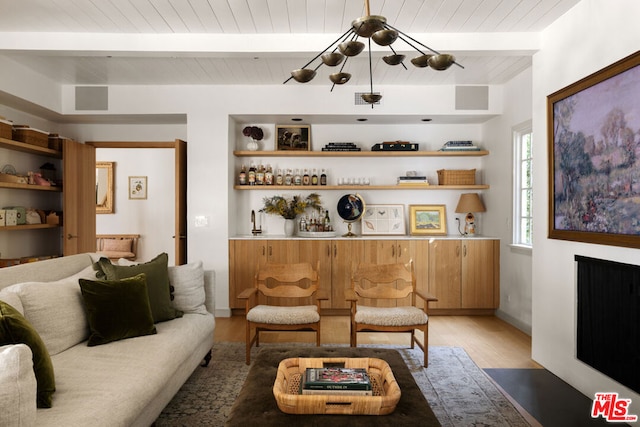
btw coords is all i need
(469, 203)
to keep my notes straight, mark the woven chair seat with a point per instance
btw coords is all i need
(284, 315)
(390, 316)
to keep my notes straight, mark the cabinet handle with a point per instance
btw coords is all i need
(329, 251)
(393, 251)
(270, 250)
(71, 236)
(263, 251)
(464, 250)
(457, 250)
(399, 251)
(335, 251)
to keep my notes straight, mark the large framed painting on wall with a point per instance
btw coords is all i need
(594, 157)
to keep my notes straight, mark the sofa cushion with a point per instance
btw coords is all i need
(55, 310)
(15, 329)
(117, 245)
(157, 274)
(17, 386)
(188, 287)
(117, 309)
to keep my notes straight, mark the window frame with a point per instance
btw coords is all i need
(518, 134)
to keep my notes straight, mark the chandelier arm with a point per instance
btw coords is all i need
(345, 34)
(395, 53)
(416, 41)
(370, 70)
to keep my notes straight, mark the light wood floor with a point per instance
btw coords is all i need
(490, 341)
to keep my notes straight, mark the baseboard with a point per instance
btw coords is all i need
(514, 322)
(222, 312)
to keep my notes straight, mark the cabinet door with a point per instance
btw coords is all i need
(79, 195)
(478, 274)
(346, 254)
(445, 273)
(244, 258)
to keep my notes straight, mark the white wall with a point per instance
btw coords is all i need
(594, 34)
(515, 263)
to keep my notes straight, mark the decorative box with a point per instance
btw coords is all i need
(10, 217)
(21, 214)
(6, 128)
(2, 214)
(30, 136)
(456, 177)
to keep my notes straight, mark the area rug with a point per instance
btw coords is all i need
(459, 393)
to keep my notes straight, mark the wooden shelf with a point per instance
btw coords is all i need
(361, 187)
(245, 153)
(29, 187)
(28, 148)
(28, 227)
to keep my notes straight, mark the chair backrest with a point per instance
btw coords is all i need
(378, 281)
(287, 280)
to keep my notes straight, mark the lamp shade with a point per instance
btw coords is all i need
(470, 202)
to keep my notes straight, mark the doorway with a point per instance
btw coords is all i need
(159, 215)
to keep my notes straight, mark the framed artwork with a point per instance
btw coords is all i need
(593, 151)
(293, 138)
(137, 187)
(428, 219)
(383, 219)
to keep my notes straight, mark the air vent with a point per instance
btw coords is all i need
(92, 98)
(359, 101)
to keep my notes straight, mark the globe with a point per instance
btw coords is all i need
(350, 208)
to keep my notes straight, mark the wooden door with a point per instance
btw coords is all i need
(345, 255)
(181, 202)
(79, 195)
(478, 274)
(244, 257)
(445, 273)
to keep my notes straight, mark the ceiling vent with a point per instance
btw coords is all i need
(94, 98)
(360, 101)
(472, 97)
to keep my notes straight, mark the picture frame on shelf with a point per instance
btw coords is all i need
(293, 138)
(428, 220)
(592, 157)
(137, 187)
(383, 220)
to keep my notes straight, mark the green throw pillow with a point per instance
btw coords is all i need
(158, 286)
(15, 329)
(117, 309)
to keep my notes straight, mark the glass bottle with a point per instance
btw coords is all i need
(251, 176)
(288, 178)
(268, 176)
(314, 177)
(260, 175)
(297, 178)
(306, 179)
(242, 176)
(327, 221)
(323, 177)
(279, 177)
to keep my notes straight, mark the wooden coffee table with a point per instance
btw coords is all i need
(256, 404)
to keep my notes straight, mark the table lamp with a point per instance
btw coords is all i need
(469, 202)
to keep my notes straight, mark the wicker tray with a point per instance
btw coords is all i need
(6, 128)
(386, 392)
(456, 177)
(30, 136)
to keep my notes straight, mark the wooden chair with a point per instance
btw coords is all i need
(393, 285)
(282, 285)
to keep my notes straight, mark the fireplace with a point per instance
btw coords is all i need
(608, 335)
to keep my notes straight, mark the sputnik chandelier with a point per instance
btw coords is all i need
(371, 27)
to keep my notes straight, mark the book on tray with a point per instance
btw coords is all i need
(336, 380)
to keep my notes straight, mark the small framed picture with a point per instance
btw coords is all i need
(383, 220)
(428, 219)
(293, 138)
(137, 187)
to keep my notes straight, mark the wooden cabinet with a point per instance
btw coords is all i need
(77, 200)
(464, 275)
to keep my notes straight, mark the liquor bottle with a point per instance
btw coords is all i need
(306, 179)
(327, 221)
(260, 175)
(279, 177)
(242, 177)
(314, 177)
(288, 178)
(251, 176)
(323, 177)
(303, 224)
(268, 176)
(297, 178)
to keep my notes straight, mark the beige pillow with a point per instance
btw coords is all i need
(17, 386)
(117, 245)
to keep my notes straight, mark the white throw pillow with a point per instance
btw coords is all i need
(188, 283)
(17, 386)
(56, 310)
(11, 297)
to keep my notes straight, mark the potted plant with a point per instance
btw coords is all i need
(256, 134)
(289, 209)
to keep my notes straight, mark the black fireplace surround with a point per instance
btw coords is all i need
(609, 319)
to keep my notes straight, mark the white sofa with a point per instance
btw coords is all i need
(123, 383)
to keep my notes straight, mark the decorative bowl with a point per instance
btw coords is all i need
(442, 61)
(339, 78)
(303, 75)
(332, 59)
(351, 48)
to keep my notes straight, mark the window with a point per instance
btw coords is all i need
(523, 185)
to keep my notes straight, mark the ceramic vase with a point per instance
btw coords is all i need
(252, 145)
(289, 227)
